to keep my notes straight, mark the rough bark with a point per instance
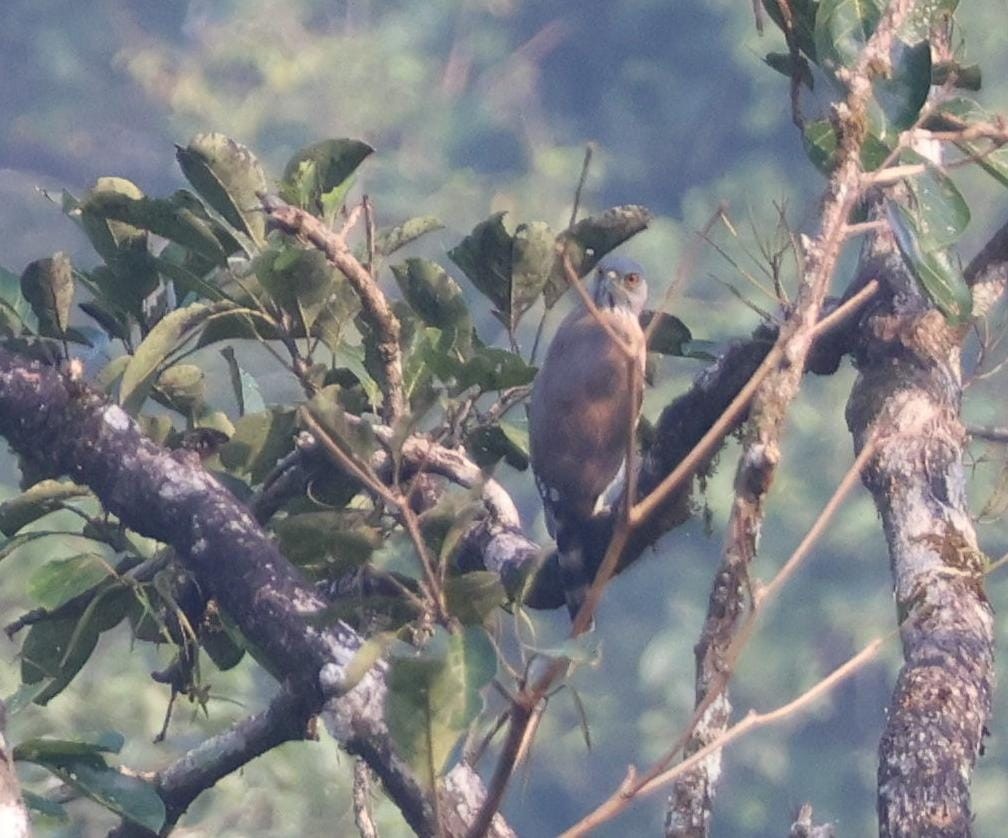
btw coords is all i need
(909, 389)
(13, 814)
(69, 430)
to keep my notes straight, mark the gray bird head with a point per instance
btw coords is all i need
(620, 284)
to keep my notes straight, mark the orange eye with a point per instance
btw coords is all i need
(631, 280)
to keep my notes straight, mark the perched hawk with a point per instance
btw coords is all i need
(585, 403)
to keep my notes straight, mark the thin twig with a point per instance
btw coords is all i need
(751, 722)
(369, 232)
(589, 150)
(989, 432)
(685, 268)
(363, 816)
(647, 506)
(732, 654)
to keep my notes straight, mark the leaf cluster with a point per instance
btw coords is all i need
(198, 276)
(827, 38)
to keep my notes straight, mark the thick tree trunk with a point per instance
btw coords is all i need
(908, 392)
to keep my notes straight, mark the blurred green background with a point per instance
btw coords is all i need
(476, 107)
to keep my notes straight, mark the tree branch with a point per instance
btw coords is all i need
(909, 383)
(202, 767)
(168, 496)
(297, 222)
(691, 806)
(13, 813)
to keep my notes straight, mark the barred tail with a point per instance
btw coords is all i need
(565, 521)
(573, 572)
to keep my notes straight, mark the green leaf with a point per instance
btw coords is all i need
(45, 750)
(443, 525)
(364, 658)
(44, 806)
(246, 388)
(924, 17)
(318, 177)
(110, 239)
(436, 297)
(940, 211)
(181, 387)
(340, 308)
(461, 523)
(356, 437)
(488, 445)
(960, 112)
(41, 499)
(48, 286)
(669, 336)
(13, 305)
(259, 440)
(592, 238)
(963, 76)
(111, 374)
(492, 369)
(434, 694)
(300, 280)
(391, 240)
(127, 796)
(223, 645)
(55, 650)
(484, 256)
(900, 96)
(177, 218)
(472, 597)
(340, 538)
(112, 321)
(171, 331)
(187, 282)
(821, 146)
(351, 358)
(59, 580)
(397, 555)
(803, 15)
(943, 284)
(842, 28)
(784, 64)
(22, 697)
(517, 434)
(533, 259)
(239, 324)
(229, 178)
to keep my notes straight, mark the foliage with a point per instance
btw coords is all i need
(222, 284)
(185, 273)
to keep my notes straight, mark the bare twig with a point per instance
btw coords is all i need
(589, 150)
(348, 461)
(363, 816)
(685, 268)
(988, 432)
(782, 373)
(369, 232)
(710, 693)
(753, 721)
(648, 505)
